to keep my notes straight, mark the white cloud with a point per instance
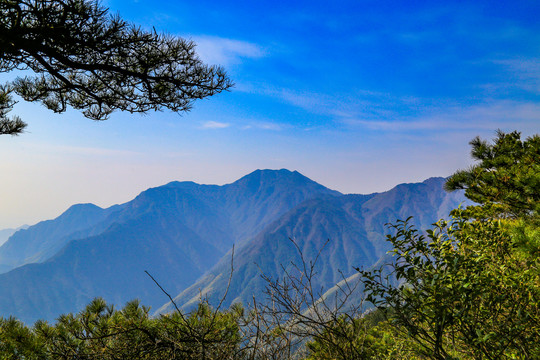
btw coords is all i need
(314, 102)
(223, 51)
(215, 125)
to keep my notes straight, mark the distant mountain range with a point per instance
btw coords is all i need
(182, 233)
(354, 226)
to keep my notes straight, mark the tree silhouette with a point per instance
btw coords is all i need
(84, 57)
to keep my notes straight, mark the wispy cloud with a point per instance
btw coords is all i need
(314, 102)
(263, 126)
(498, 114)
(224, 51)
(390, 113)
(524, 73)
(215, 125)
(365, 104)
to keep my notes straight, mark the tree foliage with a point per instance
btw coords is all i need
(470, 288)
(464, 291)
(366, 337)
(505, 181)
(86, 58)
(101, 332)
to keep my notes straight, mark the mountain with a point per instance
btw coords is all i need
(5, 234)
(177, 232)
(353, 225)
(182, 233)
(261, 197)
(41, 241)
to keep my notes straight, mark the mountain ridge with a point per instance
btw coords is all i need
(182, 230)
(182, 233)
(354, 224)
(42, 240)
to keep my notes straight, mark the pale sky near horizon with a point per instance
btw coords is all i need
(357, 95)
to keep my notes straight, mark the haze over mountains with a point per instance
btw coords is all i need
(182, 233)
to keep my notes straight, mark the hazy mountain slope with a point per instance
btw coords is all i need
(176, 231)
(41, 241)
(354, 224)
(193, 207)
(5, 234)
(110, 265)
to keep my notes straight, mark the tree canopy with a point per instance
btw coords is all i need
(505, 181)
(470, 288)
(83, 57)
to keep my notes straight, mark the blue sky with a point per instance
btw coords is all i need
(357, 95)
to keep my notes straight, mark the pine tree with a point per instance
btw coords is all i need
(88, 59)
(505, 181)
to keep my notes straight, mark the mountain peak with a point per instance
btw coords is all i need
(79, 208)
(434, 180)
(272, 173)
(263, 177)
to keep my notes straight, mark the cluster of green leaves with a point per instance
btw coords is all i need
(505, 181)
(467, 290)
(101, 332)
(9, 125)
(368, 337)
